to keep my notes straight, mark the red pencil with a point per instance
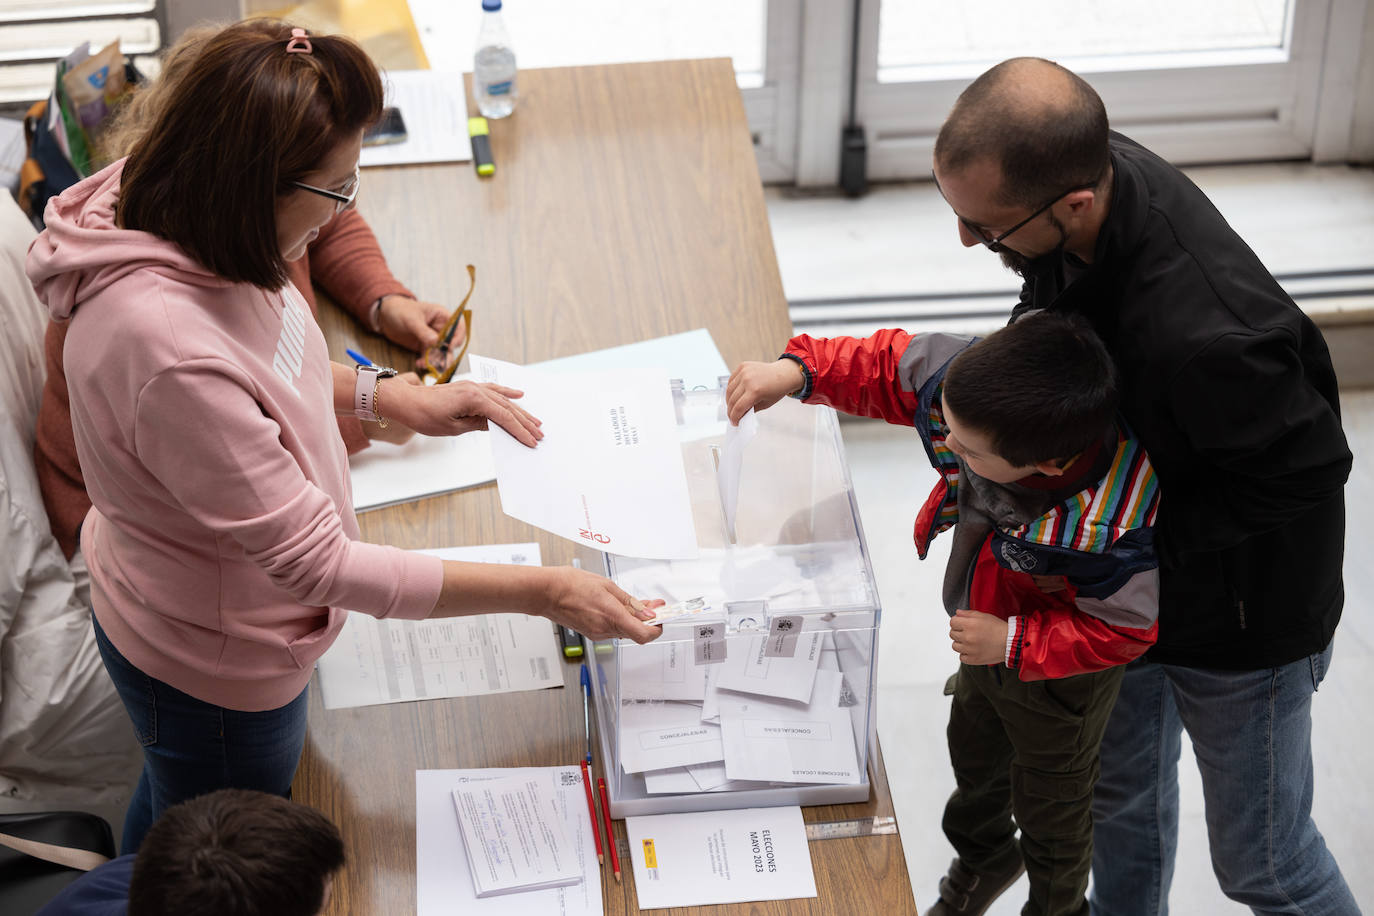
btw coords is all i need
(610, 836)
(591, 809)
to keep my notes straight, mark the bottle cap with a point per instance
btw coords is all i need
(491, 6)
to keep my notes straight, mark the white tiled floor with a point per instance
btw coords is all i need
(901, 239)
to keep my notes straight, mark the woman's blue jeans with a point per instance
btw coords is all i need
(1252, 736)
(191, 747)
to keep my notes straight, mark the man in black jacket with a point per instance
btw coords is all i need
(1230, 387)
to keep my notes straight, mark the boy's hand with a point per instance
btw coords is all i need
(980, 639)
(760, 386)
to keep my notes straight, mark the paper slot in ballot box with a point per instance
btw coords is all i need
(766, 697)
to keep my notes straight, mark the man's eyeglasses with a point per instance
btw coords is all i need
(344, 197)
(995, 244)
(442, 358)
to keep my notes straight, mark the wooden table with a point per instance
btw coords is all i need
(626, 205)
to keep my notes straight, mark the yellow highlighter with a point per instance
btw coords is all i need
(481, 147)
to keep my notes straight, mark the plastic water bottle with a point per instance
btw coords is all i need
(493, 71)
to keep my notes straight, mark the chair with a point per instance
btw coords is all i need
(65, 740)
(27, 883)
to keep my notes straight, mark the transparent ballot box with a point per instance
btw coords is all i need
(762, 693)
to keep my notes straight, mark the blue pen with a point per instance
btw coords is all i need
(587, 709)
(358, 357)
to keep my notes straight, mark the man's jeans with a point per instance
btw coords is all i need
(1252, 736)
(191, 747)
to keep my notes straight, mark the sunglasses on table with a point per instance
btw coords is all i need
(441, 359)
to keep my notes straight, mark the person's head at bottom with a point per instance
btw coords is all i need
(1030, 398)
(236, 853)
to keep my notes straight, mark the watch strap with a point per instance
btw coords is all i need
(365, 391)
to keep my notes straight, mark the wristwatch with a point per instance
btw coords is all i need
(365, 392)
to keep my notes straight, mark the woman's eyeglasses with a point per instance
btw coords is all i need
(343, 198)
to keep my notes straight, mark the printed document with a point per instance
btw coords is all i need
(514, 835)
(656, 736)
(608, 473)
(712, 857)
(434, 106)
(781, 741)
(394, 661)
(443, 882)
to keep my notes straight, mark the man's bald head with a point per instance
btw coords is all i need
(1042, 125)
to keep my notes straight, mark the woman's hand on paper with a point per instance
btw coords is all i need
(459, 407)
(760, 386)
(598, 608)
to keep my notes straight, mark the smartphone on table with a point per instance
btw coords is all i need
(390, 128)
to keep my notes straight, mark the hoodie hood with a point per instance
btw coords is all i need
(82, 251)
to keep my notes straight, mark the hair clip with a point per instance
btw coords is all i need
(299, 43)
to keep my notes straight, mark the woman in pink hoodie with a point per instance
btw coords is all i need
(222, 544)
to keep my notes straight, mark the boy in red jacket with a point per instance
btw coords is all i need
(1052, 583)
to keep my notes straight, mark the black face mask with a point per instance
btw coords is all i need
(1020, 265)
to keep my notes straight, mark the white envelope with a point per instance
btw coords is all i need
(661, 671)
(656, 736)
(751, 671)
(608, 473)
(779, 741)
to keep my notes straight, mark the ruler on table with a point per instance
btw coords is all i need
(859, 826)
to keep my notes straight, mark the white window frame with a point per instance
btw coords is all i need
(1298, 103)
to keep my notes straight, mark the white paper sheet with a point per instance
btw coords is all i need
(737, 439)
(443, 884)
(779, 741)
(699, 777)
(661, 671)
(747, 669)
(394, 661)
(434, 107)
(514, 837)
(608, 473)
(385, 474)
(656, 736)
(691, 356)
(712, 857)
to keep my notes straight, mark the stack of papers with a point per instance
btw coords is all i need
(444, 882)
(514, 835)
(754, 719)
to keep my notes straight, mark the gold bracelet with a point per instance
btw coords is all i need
(377, 404)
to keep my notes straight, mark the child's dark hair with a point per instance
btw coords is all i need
(1042, 389)
(235, 853)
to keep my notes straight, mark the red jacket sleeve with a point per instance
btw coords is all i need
(859, 376)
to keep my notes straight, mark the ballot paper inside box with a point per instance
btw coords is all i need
(766, 698)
